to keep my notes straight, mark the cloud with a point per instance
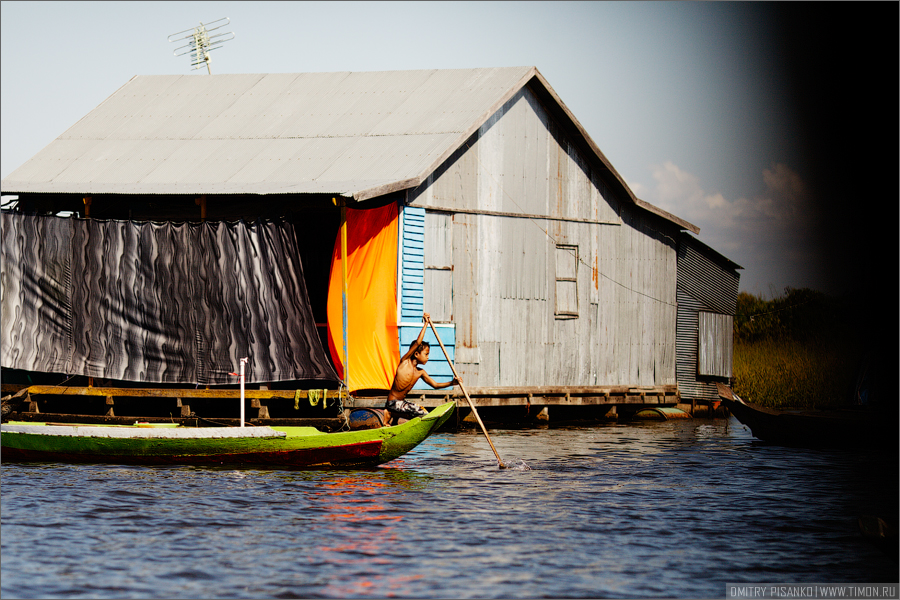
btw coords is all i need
(680, 192)
(771, 234)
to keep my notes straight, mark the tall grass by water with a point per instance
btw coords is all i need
(802, 350)
(794, 374)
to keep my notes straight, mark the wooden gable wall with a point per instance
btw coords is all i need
(547, 278)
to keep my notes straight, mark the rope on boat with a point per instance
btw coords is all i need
(346, 424)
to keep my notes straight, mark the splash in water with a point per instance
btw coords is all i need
(517, 464)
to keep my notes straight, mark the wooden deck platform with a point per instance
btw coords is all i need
(666, 395)
(66, 403)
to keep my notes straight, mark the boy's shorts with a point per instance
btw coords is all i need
(405, 410)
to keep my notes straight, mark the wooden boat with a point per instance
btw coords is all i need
(273, 446)
(856, 426)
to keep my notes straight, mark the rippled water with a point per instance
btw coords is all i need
(674, 509)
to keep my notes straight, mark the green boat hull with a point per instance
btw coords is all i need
(276, 446)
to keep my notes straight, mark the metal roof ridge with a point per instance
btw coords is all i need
(456, 144)
(531, 73)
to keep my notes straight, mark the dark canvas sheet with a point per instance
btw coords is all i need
(156, 302)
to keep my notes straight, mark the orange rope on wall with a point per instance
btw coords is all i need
(372, 342)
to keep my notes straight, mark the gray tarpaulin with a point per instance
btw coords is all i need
(156, 302)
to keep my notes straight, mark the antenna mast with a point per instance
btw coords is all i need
(200, 43)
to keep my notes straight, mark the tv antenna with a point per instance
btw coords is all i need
(200, 43)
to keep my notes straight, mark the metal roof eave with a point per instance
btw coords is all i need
(712, 253)
(667, 215)
(383, 190)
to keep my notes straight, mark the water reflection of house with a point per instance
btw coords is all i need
(474, 194)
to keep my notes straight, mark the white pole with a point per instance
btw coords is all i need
(243, 362)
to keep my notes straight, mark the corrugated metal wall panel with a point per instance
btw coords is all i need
(716, 287)
(686, 352)
(704, 286)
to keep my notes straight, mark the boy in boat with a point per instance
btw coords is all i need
(406, 377)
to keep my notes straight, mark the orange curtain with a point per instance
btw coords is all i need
(371, 299)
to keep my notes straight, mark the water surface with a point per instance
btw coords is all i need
(674, 509)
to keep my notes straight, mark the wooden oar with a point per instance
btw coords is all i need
(469, 400)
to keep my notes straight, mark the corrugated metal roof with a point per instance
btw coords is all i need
(344, 133)
(355, 134)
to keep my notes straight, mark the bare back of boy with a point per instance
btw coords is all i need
(406, 377)
(408, 373)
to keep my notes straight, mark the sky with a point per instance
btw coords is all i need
(742, 118)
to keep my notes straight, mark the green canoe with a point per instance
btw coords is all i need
(274, 446)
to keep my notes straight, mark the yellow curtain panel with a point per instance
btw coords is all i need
(372, 342)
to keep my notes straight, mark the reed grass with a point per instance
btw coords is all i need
(788, 373)
(801, 350)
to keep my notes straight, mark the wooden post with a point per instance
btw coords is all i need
(201, 202)
(343, 204)
(263, 409)
(185, 408)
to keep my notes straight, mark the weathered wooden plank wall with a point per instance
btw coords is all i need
(439, 268)
(716, 337)
(511, 275)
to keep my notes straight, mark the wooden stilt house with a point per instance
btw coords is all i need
(473, 194)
